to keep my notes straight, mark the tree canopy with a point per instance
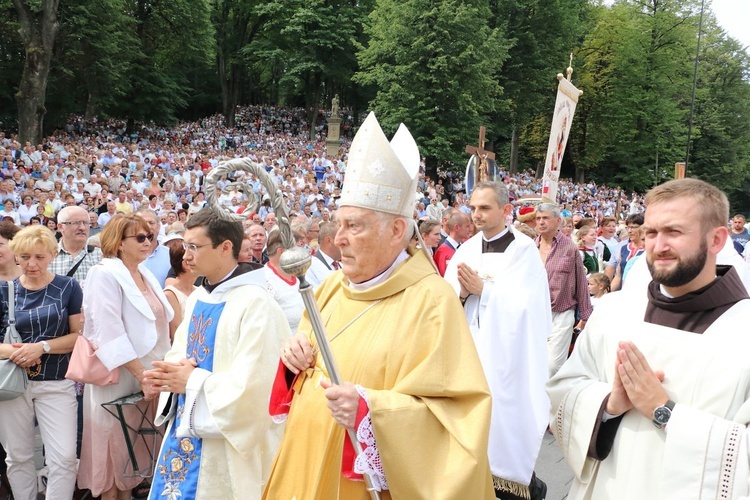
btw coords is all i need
(442, 67)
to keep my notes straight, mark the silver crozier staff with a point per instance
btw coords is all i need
(296, 261)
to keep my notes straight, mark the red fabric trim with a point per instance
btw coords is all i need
(348, 456)
(281, 393)
(290, 282)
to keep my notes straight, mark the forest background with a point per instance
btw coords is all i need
(443, 67)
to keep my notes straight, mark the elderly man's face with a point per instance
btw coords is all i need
(75, 229)
(547, 223)
(363, 242)
(270, 221)
(257, 237)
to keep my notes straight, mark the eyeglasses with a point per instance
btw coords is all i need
(75, 223)
(140, 238)
(192, 247)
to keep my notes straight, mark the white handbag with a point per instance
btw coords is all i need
(13, 378)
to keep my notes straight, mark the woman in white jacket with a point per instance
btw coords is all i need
(127, 317)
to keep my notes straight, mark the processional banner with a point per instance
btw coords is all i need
(565, 108)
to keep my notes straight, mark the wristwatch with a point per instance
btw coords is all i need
(46, 346)
(662, 414)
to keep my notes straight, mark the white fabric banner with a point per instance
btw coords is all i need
(565, 108)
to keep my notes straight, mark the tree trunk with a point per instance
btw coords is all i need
(514, 142)
(581, 159)
(90, 106)
(313, 100)
(130, 125)
(38, 31)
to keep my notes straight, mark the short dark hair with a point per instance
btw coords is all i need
(218, 229)
(634, 219)
(8, 230)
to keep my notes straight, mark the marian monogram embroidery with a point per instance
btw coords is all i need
(197, 348)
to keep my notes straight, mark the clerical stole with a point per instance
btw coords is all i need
(176, 474)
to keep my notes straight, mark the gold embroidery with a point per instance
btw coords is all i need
(197, 348)
(179, 462)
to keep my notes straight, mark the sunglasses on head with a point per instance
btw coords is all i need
(140, 238)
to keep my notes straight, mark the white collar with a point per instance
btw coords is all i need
(382, 276)
(225, 277)
(329, 260)
(497, 236)
(452, 242)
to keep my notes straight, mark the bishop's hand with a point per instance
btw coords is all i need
(343, 401)
(297, 354)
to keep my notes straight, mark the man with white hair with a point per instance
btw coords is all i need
(326, 258)
(75, 257)
(158, 260)
(568, 287)
(412, 379)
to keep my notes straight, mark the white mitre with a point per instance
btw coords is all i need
(381, 176)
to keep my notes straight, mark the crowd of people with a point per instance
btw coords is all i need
(106, 233)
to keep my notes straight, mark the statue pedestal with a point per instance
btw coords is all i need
(332, 141)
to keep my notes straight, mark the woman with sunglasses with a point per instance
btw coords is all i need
(127, 320)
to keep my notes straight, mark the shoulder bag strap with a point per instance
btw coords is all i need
(12, 332)
(73, 269)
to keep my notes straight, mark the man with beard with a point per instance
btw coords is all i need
(655, 404)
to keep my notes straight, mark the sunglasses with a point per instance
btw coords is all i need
(140, 238)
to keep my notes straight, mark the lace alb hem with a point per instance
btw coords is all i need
(368, 462)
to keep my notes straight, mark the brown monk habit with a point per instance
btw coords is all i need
(693, 312)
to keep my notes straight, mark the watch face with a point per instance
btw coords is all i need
(662, 414)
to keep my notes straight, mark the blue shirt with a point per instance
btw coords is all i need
(43, 315)
(159, 264)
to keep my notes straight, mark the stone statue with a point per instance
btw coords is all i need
(335, 106)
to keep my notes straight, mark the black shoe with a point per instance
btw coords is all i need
(538, 489)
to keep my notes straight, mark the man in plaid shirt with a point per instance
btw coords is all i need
(568, 287)
(74, 226)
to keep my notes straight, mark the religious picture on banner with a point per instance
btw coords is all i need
(562, 120)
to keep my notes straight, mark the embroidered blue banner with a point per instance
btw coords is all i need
(176, 475)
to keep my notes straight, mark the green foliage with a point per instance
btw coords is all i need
(721, 140)
(435, 66)
(308, 50)
(442, 67)
(11, 64)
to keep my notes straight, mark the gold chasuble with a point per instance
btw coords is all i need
(406, 342)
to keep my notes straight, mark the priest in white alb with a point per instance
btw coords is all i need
(504, 288)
